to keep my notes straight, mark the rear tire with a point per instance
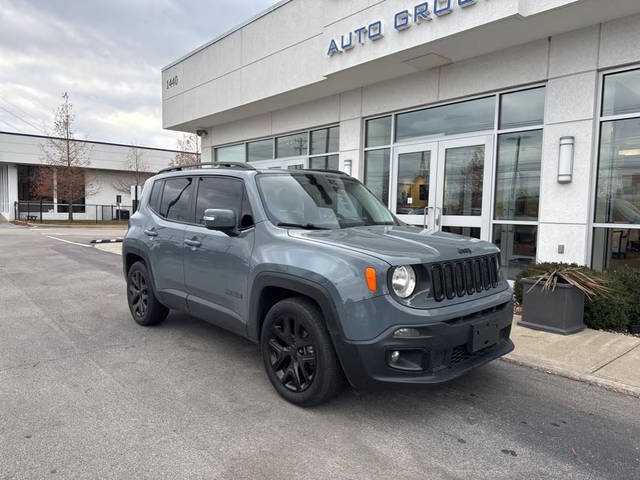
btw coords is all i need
(298, 355)
(145, 308)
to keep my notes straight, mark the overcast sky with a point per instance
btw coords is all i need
(107, 54)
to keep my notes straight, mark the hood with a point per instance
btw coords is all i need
(400, 245)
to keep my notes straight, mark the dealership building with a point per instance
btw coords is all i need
(107, 173)
(512, 121)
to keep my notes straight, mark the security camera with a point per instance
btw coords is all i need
(201, 133)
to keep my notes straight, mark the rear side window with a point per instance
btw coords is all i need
(176, 199)
(218, 192)
(156, 191)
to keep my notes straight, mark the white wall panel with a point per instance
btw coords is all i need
(511, 67)
(574, 52)
(571, 98)
(573, 237)
(417, 89)
(619, 42)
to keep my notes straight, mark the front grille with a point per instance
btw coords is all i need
(464, 277)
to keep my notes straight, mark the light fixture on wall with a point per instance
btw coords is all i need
(347, 167)
(565, 159)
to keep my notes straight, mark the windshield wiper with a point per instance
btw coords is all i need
(306, 226)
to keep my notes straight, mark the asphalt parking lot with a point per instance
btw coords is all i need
(86, 393)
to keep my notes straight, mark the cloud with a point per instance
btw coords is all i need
(107, 54)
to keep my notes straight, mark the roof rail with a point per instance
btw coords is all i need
(325, 170)
(230, 165)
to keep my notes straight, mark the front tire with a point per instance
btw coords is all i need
(145, 308)
(298, 355)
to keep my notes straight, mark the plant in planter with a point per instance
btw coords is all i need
(554, 299)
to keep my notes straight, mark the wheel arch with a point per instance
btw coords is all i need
(131, 255)
(269, 288)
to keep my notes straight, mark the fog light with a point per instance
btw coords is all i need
(395, 356)
(406, 333)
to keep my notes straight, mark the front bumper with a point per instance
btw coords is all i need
(442, 351)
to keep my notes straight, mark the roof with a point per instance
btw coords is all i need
(94, 142)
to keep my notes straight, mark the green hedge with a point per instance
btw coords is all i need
(615, 311)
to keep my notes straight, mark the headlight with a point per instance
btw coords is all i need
(403, 281)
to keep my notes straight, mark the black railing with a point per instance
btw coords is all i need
(43, 211)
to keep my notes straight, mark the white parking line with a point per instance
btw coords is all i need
(69, 241)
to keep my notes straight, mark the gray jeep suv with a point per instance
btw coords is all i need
(313, 268)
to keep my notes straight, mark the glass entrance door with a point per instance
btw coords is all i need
(449, 180)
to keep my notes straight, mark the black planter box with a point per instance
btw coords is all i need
(558, 311)
(634, 328)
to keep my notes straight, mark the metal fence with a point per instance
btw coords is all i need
(43, 211)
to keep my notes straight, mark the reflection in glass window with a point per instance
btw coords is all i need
(621, 93)
(326, 140)
(292, 145)
(376, 173)
(471, 116)
(522, 109)
(615, 248)
(464, 231)
(618, 190)
(328, 162)
(463, 179)
(176, 199)
(218, 192)
(378, 132)
(232, 153)
(260, 150)
(413, 183)
(518, 176)
(517, 244)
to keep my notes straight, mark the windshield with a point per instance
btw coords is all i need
(320, 201)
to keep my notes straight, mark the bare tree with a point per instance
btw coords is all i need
(65, 161)
(138, 173)
(188, 147)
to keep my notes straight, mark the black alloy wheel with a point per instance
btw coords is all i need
(138, 294)
(298, 353)
(292, 354)
(143, 304)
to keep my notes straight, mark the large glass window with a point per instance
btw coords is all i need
(522, 109)
(326, 140)
(292, 145)
(176, 199)
(463, 179)
(618, 191)
(518, 176)
(471, 116)
(518, 244)
(260, 150)
(413, 182)
(615, 248)
(378, 132)
(232, 153)
(376, 173)
(325, 162)
(621, 93)
(218, 192)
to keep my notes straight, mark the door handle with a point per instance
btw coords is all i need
(151, 232)
(193, 243)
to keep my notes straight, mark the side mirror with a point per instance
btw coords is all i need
(219, 219)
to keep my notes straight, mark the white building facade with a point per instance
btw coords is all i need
(107, 174)
(513, 121)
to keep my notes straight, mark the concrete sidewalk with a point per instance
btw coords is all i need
(606, 359)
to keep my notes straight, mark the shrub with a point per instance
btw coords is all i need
(615, 310)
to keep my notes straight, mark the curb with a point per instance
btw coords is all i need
(109, 240)
(585, 378)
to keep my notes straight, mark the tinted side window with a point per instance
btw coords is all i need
(154, 200)
(176, 199)
(218, 192)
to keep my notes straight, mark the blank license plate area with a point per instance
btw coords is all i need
(485, 334)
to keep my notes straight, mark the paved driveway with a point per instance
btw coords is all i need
(86, 393)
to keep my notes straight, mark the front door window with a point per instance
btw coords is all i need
(463, 180)
(413, 182)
